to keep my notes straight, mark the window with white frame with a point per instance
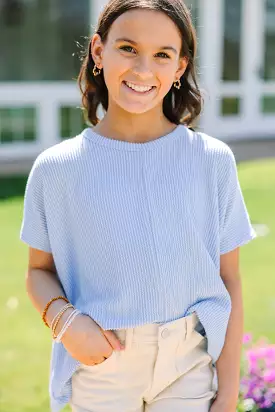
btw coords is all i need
(38, 39)
(17, 124)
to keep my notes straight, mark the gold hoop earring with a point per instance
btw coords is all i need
(96, 71)
(177, 84)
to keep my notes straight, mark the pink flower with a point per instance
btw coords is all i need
(271, 352)
(269, 376)
(258, 382)
(247, 338)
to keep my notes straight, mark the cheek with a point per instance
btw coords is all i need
(166, 76)
(114, 70)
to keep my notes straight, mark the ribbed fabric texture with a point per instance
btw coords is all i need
(136, 231)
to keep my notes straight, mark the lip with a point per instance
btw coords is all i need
(136, 92)
(139, 84)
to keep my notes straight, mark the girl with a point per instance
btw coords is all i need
(134, 228)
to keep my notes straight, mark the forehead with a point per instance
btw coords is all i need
(146, 27)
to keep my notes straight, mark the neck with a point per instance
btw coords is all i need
(134, 128)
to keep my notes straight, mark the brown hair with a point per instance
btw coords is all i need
(179, 105)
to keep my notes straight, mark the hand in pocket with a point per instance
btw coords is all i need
(88, 343)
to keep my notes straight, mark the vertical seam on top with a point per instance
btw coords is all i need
(150, 221)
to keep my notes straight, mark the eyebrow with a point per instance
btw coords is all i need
(135, 43)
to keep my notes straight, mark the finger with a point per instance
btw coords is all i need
(113, 340)
(100, 360)
(95, 361)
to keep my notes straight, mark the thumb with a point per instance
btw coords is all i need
(113, 340)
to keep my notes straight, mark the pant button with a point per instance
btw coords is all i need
(165, 333)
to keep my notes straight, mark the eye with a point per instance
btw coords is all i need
(127, 49)
(163, 55)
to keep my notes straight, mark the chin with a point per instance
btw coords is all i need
(136, 108)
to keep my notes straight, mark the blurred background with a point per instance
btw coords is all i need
(40, 106)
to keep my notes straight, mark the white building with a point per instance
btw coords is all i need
(38, 96)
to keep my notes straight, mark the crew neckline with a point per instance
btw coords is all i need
(90, 134)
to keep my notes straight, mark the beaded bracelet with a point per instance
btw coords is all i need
(54, 326)
(48, 305)
(56, 316)
(68, 322)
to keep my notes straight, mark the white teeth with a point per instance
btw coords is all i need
(140, 89)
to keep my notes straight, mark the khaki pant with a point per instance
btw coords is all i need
(164, 368)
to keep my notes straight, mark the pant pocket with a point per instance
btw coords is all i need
(192, 352)
(108, 363)
(194, 368)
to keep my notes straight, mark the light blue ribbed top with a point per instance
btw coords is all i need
(136, 231)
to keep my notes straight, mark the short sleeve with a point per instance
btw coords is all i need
(34, 230)
(235, 225)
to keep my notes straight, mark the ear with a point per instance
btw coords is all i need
(183, 63)
(97, 50)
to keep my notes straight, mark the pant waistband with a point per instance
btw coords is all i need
(153, 332)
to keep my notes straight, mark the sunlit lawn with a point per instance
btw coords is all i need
(25, 341)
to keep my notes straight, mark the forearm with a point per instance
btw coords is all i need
(228, 364)
(42, 286)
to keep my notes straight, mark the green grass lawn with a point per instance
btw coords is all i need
(25, 342)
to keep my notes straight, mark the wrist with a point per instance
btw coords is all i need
(63, 320)
(228, 391)
(227, 401)
(53, 310)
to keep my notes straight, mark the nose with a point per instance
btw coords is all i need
(142, 69)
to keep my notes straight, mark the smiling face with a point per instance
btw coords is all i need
(141, 59)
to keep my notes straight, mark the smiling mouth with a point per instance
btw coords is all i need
(139, 89)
